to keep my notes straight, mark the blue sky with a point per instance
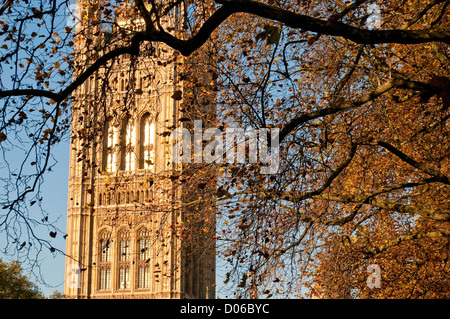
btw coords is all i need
(55, 190)
(55, 187)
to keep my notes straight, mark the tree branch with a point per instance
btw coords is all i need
(29, 92)
(145, 15)
(133, 49)
(296, 21)
(295, 196)
(399, 240)
(358, 35)
(338, 105)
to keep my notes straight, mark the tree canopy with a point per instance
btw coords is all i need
(15, 285)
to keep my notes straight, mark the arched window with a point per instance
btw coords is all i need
(147, 138)
(110, 144)
(105, 261)
(144, 244)
(124, 259)
(128, 143)
(144, 258)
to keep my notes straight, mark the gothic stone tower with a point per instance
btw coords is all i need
(131, 230)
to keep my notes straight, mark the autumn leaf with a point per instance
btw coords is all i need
(177, 95)
(271, 34)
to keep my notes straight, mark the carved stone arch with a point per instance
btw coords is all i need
(123, 232)
(146, 112)
(104, 230)
(123, 229)
(142, 230)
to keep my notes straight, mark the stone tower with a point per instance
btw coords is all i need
(136, 227)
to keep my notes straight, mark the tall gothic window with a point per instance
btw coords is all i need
(125, 246)
(147, 137)
(144, 258)
(129, 140)
(110, 143)
(124, 259)
(105, 261)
